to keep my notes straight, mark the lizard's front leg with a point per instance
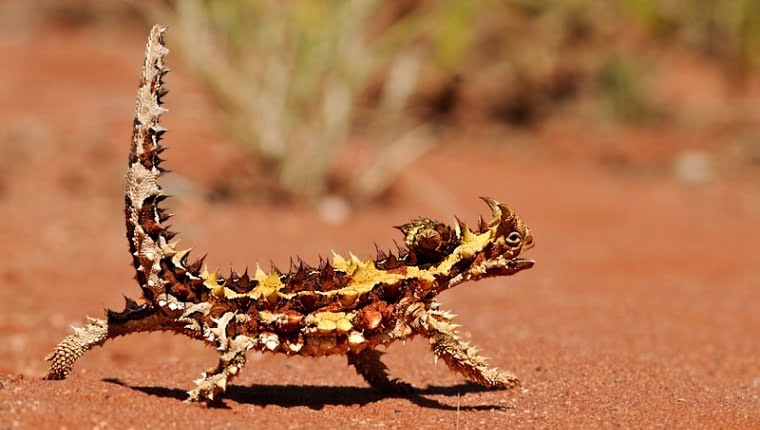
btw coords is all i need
(437, 327)
(214, 382)
(232, 358)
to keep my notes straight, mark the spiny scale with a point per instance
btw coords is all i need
(344, 305)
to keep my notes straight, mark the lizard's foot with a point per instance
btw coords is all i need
(498, 379)
(208, 388)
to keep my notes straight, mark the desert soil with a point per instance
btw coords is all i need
(641, 312)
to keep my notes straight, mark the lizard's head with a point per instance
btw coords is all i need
(459, 254)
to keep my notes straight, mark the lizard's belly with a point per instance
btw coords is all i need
(312, 343)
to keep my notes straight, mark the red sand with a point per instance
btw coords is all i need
(641, 312)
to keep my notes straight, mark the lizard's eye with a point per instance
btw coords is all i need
(513, 239)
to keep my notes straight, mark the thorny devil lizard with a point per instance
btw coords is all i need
(343, 306)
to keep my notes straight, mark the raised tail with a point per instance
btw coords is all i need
(147, 233)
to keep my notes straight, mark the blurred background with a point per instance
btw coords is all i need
(626, 133)
(336, 99)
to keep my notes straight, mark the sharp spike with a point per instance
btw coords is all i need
(404, 228)
(457, 227)
(181, 257)
(496, 209)
(507, 212)
(399, 249)
(245, 279)
(381, 256)
(409, 258)
(196, 267)
(274, 269)
(163, 216)
(391, 262)
(466, 233)
(299, 274)
(328, 270)
(222, 383)
(338, 260)
(157, 128)
(259, 273)
(482, 226)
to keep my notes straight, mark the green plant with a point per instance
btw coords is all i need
(289, 76)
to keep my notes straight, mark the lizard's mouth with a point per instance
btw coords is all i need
(505, 268)
(522, 263)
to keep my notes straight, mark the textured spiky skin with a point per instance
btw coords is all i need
(342, 306)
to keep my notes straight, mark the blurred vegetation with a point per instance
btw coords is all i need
(725, 28)
(310, 85)
(289, 76)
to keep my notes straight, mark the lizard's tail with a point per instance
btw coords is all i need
(157, 262)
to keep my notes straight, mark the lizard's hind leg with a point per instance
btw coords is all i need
(367, 363)
(134, 318)
(74, 346)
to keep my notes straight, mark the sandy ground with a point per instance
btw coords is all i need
(641, 312)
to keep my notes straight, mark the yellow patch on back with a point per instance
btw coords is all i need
(364, 275)
(211, 281)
